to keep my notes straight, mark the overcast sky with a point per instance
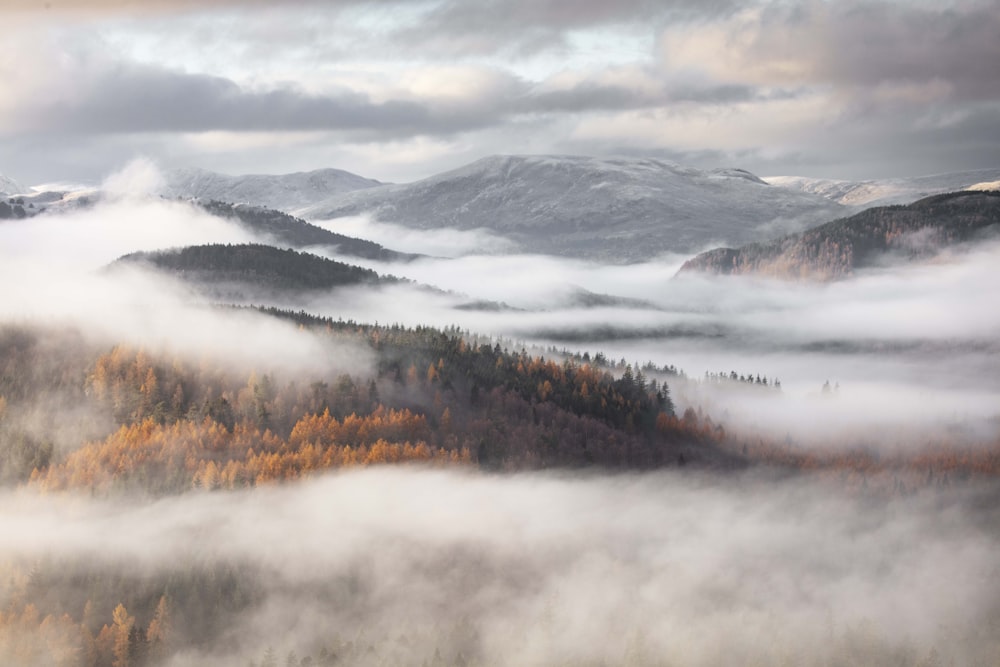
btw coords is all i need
(399, 90)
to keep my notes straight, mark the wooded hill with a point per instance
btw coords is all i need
(287, 230)
(254, 265)
(837, 249)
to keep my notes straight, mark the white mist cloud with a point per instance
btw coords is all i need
(138, 179)
(52, 266)
(542, 569)
(442, 242)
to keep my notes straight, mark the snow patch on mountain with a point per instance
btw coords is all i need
(623, 209)
(284, 192)
(885, 192)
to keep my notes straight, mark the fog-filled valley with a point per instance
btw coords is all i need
(229, 436)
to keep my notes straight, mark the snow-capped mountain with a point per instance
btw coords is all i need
(285, 192)
(8, 186)
(625, 209)
(887, 191)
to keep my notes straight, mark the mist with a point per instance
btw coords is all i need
(911, 348)
(547, 569)
(54, 268)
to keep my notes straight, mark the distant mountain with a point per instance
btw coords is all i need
(8, 186)
(623, 209)
(243, 272)
(285, 192)
(837, 249)
(287, 230)
(885, 192)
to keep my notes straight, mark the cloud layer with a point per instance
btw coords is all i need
(854, 89)
(541, 569)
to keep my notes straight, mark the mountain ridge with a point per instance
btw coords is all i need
(835, 250)
(622, 209)
(283, 192)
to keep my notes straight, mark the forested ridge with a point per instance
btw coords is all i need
(287, 230)
(260, 266)
(835, 250)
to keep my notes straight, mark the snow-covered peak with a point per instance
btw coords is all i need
(284, 192)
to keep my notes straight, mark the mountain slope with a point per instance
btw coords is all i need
(288, 230)
(285, 192)
(884, 192)
(623, 209)
(836, 249)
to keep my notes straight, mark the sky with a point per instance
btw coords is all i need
(401, 89)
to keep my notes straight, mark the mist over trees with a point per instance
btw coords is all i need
(188, 479)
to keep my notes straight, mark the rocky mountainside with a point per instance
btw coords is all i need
(835, 250)
(622, 209)
(884, 192)
(285, 192)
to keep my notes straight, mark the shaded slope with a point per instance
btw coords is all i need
(836, 249)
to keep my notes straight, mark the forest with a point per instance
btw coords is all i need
(158, 425)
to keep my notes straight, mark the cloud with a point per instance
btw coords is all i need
(52, 265)
(850, 90)
(546, 569)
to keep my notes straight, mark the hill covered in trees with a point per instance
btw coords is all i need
(255, 267)
(835, 250)
(287, 230)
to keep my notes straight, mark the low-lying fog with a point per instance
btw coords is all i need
(532, 569)
(911, 348)
(908, 348)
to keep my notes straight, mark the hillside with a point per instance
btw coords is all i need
(255, 267)
(285, 192)
(887, 191)
(287, 230)
(622, 209)
(835, 250)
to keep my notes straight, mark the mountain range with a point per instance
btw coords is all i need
(619, 209)
(284, 192)
(876, 235)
